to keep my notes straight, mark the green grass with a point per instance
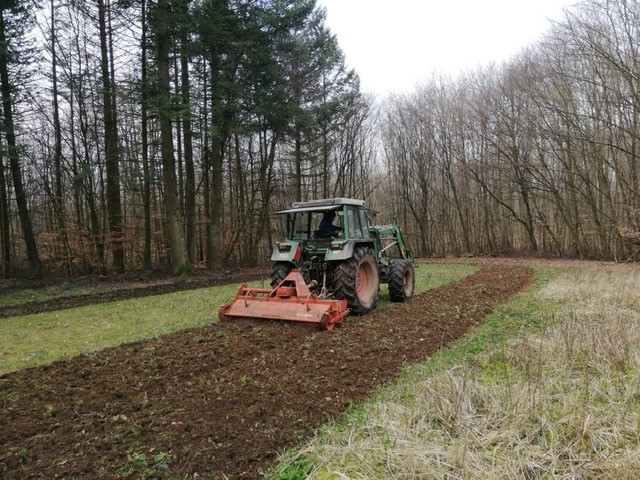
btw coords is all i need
(44, 338)
(520, 315)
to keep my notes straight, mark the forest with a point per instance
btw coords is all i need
(165, 134)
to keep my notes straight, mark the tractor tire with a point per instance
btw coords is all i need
(402, 280)
(279, 271)
(356, 280)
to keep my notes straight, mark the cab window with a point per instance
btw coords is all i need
(364, 222)
(355, 225)
(301, 226)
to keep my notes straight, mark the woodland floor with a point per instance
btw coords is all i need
(220, 401)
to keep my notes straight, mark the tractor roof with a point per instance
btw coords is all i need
(322, 204)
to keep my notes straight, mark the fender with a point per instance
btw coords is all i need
(287, 251)
(348, 246)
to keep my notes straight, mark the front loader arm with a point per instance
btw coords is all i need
(391, 236)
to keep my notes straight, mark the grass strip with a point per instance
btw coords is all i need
(364, 443)
(33, 340)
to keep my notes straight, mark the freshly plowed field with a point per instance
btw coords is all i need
(222, 400)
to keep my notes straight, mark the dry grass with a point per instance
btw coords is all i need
(563, 402)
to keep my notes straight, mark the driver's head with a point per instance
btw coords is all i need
(330, 215)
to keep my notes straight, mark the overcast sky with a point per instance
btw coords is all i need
(394, 44)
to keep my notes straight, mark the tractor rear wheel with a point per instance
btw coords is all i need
(402, 280)
(279, 272)
(356, 281)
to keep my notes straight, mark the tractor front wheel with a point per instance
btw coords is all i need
(279, 272)
(356, 281)
(402, 280)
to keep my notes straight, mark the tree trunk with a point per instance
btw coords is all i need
(35, 266)
(144, 125)
(174, 228)
(215, 187)
(297, 179)
(114, 204)
(5, 255)
(214, 258)
(206, 166)
(190, 185)
(57, 153)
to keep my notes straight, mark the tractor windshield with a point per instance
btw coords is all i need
(306, 224)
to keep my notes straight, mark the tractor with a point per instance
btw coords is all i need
(321, 274)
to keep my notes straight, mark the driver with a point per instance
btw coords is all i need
(327, 228)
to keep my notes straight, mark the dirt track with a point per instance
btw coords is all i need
(220, 400)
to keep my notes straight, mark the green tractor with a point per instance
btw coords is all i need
(345, 261)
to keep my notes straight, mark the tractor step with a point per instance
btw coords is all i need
(290, 300)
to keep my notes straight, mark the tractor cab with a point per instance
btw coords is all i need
(306, 225)
(304, 219)
(305, 237)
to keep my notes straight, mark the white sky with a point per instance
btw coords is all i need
(395, 44)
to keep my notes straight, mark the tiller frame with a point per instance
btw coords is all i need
(290, 300)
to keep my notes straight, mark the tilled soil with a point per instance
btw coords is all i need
(220, 401)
